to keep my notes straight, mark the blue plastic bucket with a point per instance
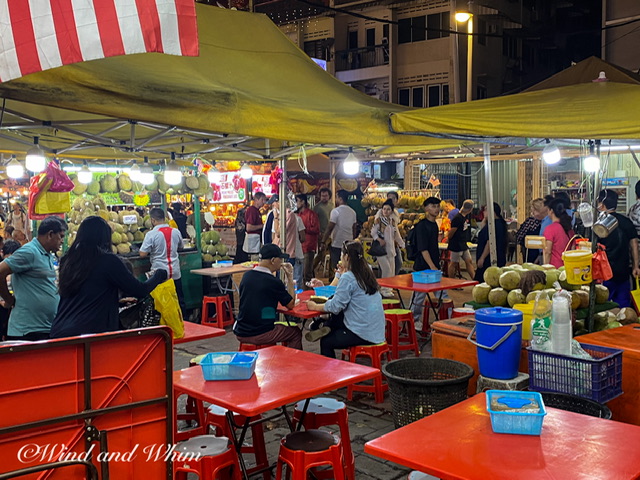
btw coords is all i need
(499, 339)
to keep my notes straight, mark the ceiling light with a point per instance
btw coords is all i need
(134, 172)
(146, 173)
(172, 173)
(246, 172)
(214, 175)
(551, 154)
(591, 163)
(84, 174)
(35, 160)
(14, 168)
(351, 164)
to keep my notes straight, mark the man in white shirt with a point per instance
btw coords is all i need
(162, 244)
(341, 228)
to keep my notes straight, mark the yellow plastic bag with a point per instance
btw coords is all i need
(166, 303)
(53, 202)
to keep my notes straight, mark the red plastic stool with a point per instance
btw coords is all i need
(194, 413)
(390, 303)
(375, 354)
(443, 313)
(322, 412)
(401, 332)
(307, 449)
(206, 456)
(223, 314)
(216, 418)
(250, 347)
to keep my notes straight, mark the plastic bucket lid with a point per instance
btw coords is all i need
(495, 315)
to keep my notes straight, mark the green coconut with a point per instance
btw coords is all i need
(515, 296)
(602, 294)
(492, 276)
(575, 300)
(480, 293)
(584, 298)
(552, 277)
(509, 280)
(498, 297)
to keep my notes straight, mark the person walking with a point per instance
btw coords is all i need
(323, 210)
(450, 209)
(162, 244)
(618, 244)
(428, 252)
(458, 236)
(18, 219)
(385, 230)
(483, 253)
(311, 231)
(253, 226)
(341, 228)
(33, 279)
(393, 197)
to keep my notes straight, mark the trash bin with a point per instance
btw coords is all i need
(572, 403)
(422, 386)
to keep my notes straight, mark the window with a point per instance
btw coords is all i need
(438, 94)
(412, 29)
(481, 92)
(438, 25)
(371, 37)
(404, 30)
(317, 49)
(403, 96)
(417, 94)
(353, 40)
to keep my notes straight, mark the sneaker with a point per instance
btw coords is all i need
(315, 335)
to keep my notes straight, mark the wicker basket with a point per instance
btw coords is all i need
(421, 386)
(571, 403)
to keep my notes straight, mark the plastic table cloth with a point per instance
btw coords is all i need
(282, 376)
(458, 443)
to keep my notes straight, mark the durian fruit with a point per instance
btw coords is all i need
(123, 248)
(124, 182)
(108, 184)
(93, 188)
(192, 183)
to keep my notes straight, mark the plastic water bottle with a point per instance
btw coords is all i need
(561, 323)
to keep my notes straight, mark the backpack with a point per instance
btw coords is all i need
(411, 243)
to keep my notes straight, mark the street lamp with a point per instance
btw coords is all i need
(462, 17)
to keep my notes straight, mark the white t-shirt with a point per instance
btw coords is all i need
(301, 227)
(344, 217)
(155, 245)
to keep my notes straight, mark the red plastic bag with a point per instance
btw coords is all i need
(601, 269)
(60, 181)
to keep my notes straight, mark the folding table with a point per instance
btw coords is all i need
(283, 376)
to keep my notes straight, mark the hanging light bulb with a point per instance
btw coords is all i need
(351, 164)
(35, 160)
(172, 173)
(146, 173)
(246, 172)
(213, 175)
(84, 174)
(551, 154)
(14, 168)
(134, 172)
(591, 163)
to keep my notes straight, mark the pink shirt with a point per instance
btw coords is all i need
(555, 234)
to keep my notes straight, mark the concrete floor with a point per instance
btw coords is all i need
(367, 420)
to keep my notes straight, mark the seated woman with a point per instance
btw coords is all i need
(358, 298)
(91, 278)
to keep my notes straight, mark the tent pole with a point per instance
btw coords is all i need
(490, 214)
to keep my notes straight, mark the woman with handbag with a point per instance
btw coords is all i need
(385, 232)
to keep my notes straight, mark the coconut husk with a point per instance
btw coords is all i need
(530, 279)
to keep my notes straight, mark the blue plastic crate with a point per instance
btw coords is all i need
(229, 365)
(521, 423)
(326, 291)
(225, 263)
(598, 379)
(427, 276)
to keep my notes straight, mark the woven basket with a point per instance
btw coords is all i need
(422, 386)
(571, 403)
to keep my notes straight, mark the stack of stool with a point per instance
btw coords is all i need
(390, 303)
(401, 332)
(374, 353)
(322, 412)
(206, 456)
(223, 314)
(301, 451)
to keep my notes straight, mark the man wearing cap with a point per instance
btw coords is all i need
(260, 293)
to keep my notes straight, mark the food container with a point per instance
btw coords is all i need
(229, 365)
(427, 276)
(511, 411)
(326, 291)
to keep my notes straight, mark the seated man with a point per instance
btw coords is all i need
(260, 293)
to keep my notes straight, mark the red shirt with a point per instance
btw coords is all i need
(252, 216)
(311, 230)
(556, 234)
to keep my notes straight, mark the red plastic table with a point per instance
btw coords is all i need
(301, 310)
(283, 376)
(194, 332)
(405, 282)
(458, 443)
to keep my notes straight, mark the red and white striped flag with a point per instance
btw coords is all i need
(37, 35)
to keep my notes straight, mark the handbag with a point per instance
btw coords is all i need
(601, 267)
(251, 243)
(377, 250)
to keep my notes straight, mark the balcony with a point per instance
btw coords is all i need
(357, 58)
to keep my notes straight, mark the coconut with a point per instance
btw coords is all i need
(584, 298)
(498, 297)
(492, 276)
(614, 324)
(548, 266)
(575, 300)
(627, 315)
(509, 280)
(562, 279)
(480, 293)
(602, 294)
(515, 296)
(552, 277)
